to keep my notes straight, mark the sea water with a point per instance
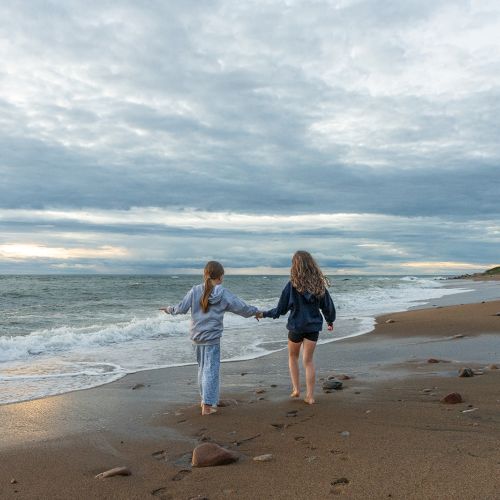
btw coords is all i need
(63, 333)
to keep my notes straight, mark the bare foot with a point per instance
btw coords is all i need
(207, 410)
(309, 400)
(295, 393)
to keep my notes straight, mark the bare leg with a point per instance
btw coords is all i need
(293, 365)
(308, 362)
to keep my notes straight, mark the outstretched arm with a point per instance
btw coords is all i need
(283, 305)
(182, 307)
(238, 306)
(328, 309)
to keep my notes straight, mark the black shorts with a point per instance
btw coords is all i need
(299, 337)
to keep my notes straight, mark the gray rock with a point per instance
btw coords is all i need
(465, 372)
(336, 385)
(211, 454)
(117, 471)
(137, 386)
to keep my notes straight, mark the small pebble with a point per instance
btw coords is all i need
(345, 433)
(13, 481)
(263, 458)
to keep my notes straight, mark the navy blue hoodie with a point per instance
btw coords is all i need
(305, 315)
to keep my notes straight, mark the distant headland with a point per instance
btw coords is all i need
(490, 274)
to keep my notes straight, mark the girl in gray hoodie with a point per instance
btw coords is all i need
(208, 303)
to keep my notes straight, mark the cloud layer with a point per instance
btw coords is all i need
(383, 117)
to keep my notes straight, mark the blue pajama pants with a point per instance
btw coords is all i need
(208, 358)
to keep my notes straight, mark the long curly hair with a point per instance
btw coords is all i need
(306, 275)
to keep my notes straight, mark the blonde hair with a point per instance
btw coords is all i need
(306, 276)
(213, 270)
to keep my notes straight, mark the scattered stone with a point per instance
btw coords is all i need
(199, 497)
(497, 314)
(211, 454)
(137, 386)
(13, 481)
(299, 438)
(332, 384)
(244, 373)
(357, 392)
(390, 321)
(492, 367)
(458, 336)
(263, 458)
(260, 391)
(344, 377)
(345, 433)
(223, 403)
(433, 360)
(478, 372)
(261, 398)
(292, 413)
(427, 391)
(178, 413)
(273, 385)
(465, 372)
(181, 474)
(117, 471)
(452, 398)
(470, 410)
(311, 459)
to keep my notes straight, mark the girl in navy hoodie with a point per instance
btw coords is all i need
(306, 297)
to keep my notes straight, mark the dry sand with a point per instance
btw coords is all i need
(399, 440)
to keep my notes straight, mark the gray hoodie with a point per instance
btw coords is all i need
(206, 328)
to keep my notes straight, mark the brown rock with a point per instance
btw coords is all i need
(260, 391)
(343, 377)
(13, 481)
(492, 367)
(433, 360)
(452, 398)
(211, 454)
(117, 471)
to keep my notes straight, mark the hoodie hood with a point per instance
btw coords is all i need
(216, 294)
(308, 296)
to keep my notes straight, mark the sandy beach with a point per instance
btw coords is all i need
(386, 434)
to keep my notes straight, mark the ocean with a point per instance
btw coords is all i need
(64, 333)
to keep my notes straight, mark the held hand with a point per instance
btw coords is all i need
(259, 315)
(330, 328)
(165, 310)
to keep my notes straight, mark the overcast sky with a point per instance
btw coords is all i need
(151, 136)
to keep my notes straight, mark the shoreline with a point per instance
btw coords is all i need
(466, 296)
(82, 433)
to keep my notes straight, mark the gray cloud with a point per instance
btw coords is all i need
(256, 108)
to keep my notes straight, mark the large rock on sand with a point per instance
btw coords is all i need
(452, 398)
(211, 454)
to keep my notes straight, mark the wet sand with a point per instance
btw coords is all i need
(385, 435)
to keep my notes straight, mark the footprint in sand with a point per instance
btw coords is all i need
(338, 485)
(181, 475)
